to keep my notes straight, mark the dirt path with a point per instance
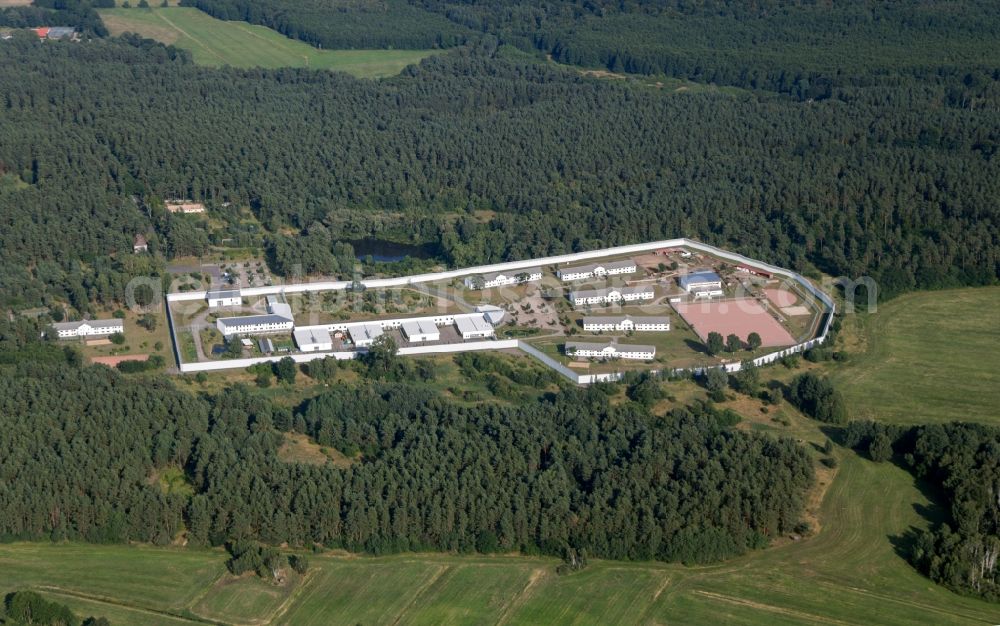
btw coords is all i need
(197, 41)
(424, 587)
(518, 600)
(59, 591)
(797, 615)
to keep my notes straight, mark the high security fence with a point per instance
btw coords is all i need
(582, 379)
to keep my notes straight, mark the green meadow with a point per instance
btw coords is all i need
(849, 572)
(217, 43)
(925, 357)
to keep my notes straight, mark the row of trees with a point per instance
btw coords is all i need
(732, 343)
(27, 608)
(382, 24)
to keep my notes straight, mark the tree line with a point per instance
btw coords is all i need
(962, 462)
(490, 156)
(573, 470)
(803, 49)
(344, 24)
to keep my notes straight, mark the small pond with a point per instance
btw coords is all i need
(390, 251)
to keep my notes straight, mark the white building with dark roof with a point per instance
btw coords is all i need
(313, 339)
(253, 325)
(609, 350)
(278, 319)
(223, 297)
(89, 328)
(499, 279)
(611, 295)
(597, 270)
(705, 284)
(627, 323)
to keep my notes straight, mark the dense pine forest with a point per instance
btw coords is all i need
(848, 138)
(571, 472)
(896, 181)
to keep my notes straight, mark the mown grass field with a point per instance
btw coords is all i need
(848, 573)
(216, 43)
(925, 357)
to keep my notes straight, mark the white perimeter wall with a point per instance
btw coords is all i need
(582, 379)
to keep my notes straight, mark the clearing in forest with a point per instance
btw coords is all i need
(217, 43)
(925, 357)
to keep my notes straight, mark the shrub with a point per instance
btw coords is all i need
(880, 448)
(817, 398)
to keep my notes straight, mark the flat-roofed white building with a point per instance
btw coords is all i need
(499, 279)
(253, 324)
(595, 270)
(313, 339)
(364, 335)
(419, 330)
(626, 323)
(473, 326)
(89, 328)
(704, 284)
(281, 309)
(223, 297)
(609, 350)
(611, 295)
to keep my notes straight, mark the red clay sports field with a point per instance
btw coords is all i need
(740, 317)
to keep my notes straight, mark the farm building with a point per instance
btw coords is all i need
(55, 32)
(473, 326)
(253, 324)
(313, 339)
(610, 295)
(701, 284)
(626, 323)
(610, 350)
(419, 330)
(499, 279)
(595, 270)
(364, 335)
(89, 328)
(223, 297)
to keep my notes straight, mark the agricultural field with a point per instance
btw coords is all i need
(925, 357)
(851, 560)
(217, 43)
